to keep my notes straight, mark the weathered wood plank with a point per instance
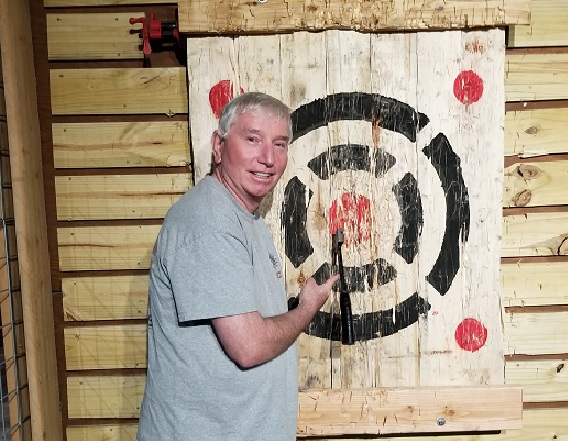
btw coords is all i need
(103, 197)
(433, 410)
(536, 184)
(333, 412)
(121, 144)
(105, 347)
(536, 132)
(105, 298)
(107, 432)
(534, 284)
(547, 27)
(105, 397)
(118, 91)
(201, 76)
(71, 3)
(534, 77)
(307, 82)
(106, 247)
(535, 234)
(538, 425)
(542, 381)
(473, 297)
(93, 36)
(531, 333)
(202, 16)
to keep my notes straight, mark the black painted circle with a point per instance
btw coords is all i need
(399, 117)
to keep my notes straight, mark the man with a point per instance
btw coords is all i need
(222, 364)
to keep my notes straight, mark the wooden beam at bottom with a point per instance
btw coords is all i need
(398, 410)
(335, 412)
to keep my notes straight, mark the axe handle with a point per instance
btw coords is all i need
(347, 331)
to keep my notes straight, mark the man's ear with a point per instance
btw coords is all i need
(216, 147)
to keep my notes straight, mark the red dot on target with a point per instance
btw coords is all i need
(352, 214)
(471, 335)
(468, 87)
(219, 95)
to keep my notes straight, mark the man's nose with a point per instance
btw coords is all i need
(267, 155)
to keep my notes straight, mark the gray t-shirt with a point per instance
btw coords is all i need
(212, 259)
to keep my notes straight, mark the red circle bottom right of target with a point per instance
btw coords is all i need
(471, 335)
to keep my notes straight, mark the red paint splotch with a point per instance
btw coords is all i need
(219, 95)
(471, 335)
(353, 214)
(468, 87)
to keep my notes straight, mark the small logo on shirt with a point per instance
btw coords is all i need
(275, 264)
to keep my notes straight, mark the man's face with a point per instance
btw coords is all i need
(252, 157)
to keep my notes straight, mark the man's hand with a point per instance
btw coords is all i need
(313, 296)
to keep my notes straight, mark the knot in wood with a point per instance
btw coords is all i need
(526, 171)
(522, 199)
(532, 130)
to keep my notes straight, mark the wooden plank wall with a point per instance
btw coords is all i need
(119, 159)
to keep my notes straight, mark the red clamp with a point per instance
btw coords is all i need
(156, 30)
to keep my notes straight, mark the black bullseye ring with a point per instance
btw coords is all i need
(399, 117)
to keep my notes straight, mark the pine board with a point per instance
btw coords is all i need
(106, 247)
(536, 77)
(105, 397)
(547, 26)
(538, 425)
(531, 333)
(536, 132)
(71, 36)
(386, 411)
(118, 91)
(534, 284)
(202, 16)
(536, 184)
(106, 432)
(535, 234)
(542, 381)
(104, 197)
(105, 347)
(121, 144)
(105, 298)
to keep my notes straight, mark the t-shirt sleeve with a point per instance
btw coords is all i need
(212, 277)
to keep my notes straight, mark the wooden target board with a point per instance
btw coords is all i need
(398, 139)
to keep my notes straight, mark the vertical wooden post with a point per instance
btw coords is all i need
(30, 217)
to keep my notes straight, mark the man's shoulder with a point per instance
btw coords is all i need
(204, 209)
